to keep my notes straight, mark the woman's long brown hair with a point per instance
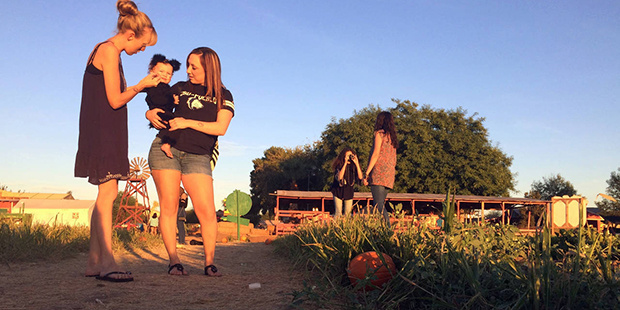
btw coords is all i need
(385, 121)
(213, 73)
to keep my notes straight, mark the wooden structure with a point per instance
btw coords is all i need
(288, 219)
(133, 215)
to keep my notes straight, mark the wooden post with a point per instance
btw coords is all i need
(458, 210)
(503, 214)
(481, 213)
(549, 220)
(529, 218)
(510, 216)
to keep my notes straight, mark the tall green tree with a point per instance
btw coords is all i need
(609, 207)
(554, 185)
(438, 149)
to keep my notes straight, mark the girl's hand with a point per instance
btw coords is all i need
(179, 123)
(150, 80)
(355, 159)
(153, 117)
(365, 181)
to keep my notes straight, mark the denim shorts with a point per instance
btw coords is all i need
(186, 163)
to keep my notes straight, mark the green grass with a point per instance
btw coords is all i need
(26, 243)
(469, 267)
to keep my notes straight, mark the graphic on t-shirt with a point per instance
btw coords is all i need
(194, 104)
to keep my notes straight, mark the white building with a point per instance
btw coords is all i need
(56, 212)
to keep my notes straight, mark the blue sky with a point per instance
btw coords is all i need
(544, 74)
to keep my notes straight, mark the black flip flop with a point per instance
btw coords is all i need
(213, 270)
(179, 267)
(107, 277)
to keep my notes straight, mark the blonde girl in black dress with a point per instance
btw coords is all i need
(102, 146)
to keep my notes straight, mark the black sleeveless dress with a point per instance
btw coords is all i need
(102, 145)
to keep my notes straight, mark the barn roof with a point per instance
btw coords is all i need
(13, 195)
(38, 204)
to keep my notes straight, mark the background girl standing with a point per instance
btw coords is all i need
(347, 172)
(102, 145)
(381, 169)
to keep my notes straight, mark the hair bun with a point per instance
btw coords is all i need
(126, 7)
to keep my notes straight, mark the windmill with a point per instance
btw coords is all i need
(132, 215)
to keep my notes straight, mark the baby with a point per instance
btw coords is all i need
(161, 96)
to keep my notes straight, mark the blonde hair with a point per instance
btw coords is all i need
(130, 18)
(213, 73)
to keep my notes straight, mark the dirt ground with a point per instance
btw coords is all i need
(61, 285)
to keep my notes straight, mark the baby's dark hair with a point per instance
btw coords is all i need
(157, 58)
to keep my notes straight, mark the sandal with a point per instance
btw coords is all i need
(107, 277)
(179, 267)
(214, 272)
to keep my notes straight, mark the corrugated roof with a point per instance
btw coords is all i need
(52, 204)
(12, 195)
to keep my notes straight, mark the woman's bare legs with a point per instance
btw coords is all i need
(100, 257)
(200, 190)
(167, 183)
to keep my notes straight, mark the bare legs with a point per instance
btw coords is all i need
(100, 257)
(200, 190)
(167, 183)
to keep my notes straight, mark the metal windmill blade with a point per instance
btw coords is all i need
(139, 168)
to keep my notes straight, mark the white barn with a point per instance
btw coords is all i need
(56, 212)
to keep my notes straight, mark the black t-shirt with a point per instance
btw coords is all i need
(195, 106)
(160, 96)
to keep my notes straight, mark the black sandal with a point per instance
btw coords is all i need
(179, 267)
(213, 271)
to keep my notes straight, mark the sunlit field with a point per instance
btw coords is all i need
(26, 243)
(464, 267)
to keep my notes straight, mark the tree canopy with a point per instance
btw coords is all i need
(438, 149)
(554, 185)
(609, 207)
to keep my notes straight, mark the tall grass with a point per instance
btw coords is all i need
(470, 267)
(26, 243)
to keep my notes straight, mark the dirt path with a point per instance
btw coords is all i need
(61, 285)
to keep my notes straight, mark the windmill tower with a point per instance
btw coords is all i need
(132, 215)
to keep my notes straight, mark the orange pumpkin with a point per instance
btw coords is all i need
(268, 241)
(370, 265)
(245, 239)
(225, 240)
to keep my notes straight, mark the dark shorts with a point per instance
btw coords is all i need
(186, 163)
